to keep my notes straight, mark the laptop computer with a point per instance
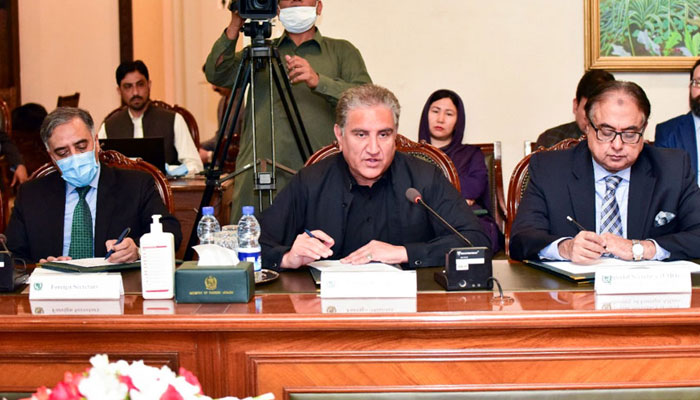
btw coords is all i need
(149, 149)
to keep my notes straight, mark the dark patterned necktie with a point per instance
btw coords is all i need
(81, 229)
(610, 220)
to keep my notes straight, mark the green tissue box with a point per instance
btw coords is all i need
(224, 284)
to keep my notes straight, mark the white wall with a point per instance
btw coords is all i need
(68, 46)
(515, 63)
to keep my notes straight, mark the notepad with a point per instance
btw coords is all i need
(95, 264)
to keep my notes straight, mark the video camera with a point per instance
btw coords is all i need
(254, 9)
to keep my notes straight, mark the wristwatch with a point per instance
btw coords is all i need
(637, 250)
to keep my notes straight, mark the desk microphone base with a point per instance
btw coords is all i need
(466, 268)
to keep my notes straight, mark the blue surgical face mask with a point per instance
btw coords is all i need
(80, 169)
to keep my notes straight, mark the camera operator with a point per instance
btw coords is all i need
(320, 70)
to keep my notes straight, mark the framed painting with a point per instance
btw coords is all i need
(641, 35)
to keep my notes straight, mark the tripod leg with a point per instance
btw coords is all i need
(288, 87)
(214, 171)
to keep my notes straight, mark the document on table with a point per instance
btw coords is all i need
(95, 264)
(583, 272)
(336, 265)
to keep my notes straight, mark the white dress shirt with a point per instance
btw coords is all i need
(186, 150)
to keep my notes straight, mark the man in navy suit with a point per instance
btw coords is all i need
(681, 132)
(630, 200)
(43, 219)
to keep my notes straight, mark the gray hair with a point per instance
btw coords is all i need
(365, 96)
(64, 115)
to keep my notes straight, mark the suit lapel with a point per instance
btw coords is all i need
(55, 200)
(582, 188)
(687, 135)
(642, 183)
(105, 206)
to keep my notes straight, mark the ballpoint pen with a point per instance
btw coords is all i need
(573, 221)
(119, 240)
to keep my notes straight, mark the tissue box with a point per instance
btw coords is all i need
(221, 284)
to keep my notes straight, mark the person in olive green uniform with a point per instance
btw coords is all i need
(320, 70)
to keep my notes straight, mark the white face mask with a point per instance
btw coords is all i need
(298, 19)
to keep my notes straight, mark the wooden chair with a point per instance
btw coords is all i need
(70, 100)
(521, 177)
(5, 121)
(186, 115)
(492, 157)
(422, 150)
(118, 160)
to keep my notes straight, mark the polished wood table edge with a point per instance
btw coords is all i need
(333, 322)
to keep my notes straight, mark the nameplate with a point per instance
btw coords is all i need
(635, 280)
(45, 284)
(368, 305)
(369, 280)
(653, 301)
(77, 307)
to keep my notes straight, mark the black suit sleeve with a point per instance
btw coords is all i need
(530, 232)
(683, 242)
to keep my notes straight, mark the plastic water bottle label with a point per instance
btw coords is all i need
(252, 255)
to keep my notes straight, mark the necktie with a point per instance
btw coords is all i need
(610, 220)
(81, 229)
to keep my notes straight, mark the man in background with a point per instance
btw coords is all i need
(320, 69)
(682, 131)
(586, 86)
(141, 119)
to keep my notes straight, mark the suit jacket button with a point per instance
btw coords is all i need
(418, 262)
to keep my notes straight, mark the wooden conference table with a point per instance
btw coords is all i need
(547, 335)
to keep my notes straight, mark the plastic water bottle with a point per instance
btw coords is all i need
(208, 226)
(248, 245)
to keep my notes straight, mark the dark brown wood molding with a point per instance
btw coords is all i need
(126, 31)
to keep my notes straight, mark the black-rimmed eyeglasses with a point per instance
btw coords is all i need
(607, 134)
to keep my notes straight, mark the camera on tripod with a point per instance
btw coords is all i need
(254, 9)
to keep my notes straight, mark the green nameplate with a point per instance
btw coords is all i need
(224, 284)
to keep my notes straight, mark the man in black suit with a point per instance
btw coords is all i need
(354, 203)
(681, 132)
(633, 201)
(106, 200)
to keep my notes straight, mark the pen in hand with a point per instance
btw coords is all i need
(573, 221)
(311, 235)
(119, 240)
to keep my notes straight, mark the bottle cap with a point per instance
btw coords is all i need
(208, 210)
(248, 210)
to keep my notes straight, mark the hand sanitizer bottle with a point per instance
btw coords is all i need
(157, 262)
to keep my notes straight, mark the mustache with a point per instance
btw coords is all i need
(136, 97)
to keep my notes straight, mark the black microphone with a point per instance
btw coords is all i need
(414, 196)
(466, 268)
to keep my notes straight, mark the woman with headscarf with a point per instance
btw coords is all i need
(442, 125)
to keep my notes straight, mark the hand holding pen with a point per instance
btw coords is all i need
(584, 248)
(307, 247)
(123, 249)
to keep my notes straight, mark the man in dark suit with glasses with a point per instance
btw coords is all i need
(611, 194)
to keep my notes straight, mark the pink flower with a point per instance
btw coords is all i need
(41, 394)
(190, 378)
(171, 394)
(65, 391)
(127, 381)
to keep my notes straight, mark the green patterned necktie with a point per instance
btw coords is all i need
(81, 229)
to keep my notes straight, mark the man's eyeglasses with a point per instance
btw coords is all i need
(695, 83)
(607, 134)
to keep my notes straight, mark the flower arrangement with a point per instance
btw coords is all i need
(123, 381)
